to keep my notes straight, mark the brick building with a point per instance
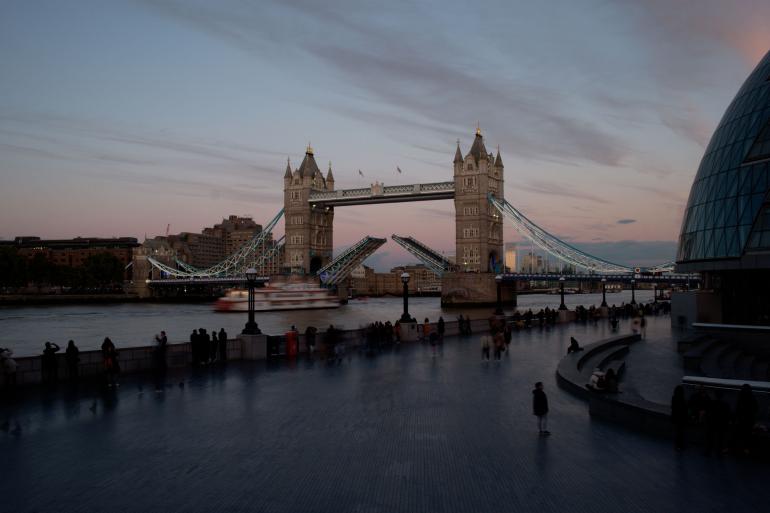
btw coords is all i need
(74, 252)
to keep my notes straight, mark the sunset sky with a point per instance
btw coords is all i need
(118, 118)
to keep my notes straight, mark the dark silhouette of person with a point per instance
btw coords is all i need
(717, 422)
(110, 361)
(73, 360)
(310, 332)
(49, 364)
(746, 409)
(611, 381)
(540, 408)
(222, 345)
(679, 416)
(574, 347)
(213, 346)
(161, 346)
(441, 328)
(194, 346)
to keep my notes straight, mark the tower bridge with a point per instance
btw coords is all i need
(477, 189)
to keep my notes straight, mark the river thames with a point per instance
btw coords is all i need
(26, 329)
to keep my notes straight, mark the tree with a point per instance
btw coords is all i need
(13, 268)
(103, 269)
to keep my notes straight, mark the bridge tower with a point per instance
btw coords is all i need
(478, 225)
(309, 228)
(478, 229)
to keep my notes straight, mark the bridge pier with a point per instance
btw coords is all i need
(474, 289)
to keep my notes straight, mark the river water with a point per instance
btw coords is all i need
(25, 329)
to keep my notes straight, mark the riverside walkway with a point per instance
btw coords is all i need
(401, 431)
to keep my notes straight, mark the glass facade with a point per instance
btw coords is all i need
(732, 182)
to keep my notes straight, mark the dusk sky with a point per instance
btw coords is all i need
(118, 118)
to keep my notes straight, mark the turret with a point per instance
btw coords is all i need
(287, 174)
(329, 178)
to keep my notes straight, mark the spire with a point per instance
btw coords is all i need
(329, 176)
(458, 154)
(478, 150)
(287, 174)
(498, 159)
(308, 167)
(478, 129)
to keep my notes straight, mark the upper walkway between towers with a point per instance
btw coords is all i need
(380, 193)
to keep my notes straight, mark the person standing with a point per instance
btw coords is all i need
(212, 349)
(499, 341)
(540, 408)
(425, 330)
(679, 416)
(441, 329)
(194, 346)
(161, 342)
(222, 345)
(310, 332)
(204, 339)
(49, 364)
(73, 360)
(110, 362)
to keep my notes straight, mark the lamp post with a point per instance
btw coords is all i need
(562, 306)
(251, 280)
(499, 282)
(654, 292)
(633, 292)
(604, 292)
(405, 280)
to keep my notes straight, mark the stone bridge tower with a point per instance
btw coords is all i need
(309, 230)
(478, 225)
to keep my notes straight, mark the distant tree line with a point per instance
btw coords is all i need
(99, 271)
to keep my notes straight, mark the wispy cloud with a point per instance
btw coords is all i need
(625, 221)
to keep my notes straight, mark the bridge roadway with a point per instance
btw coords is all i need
(610, 278)
(401, 431)
(233, 280)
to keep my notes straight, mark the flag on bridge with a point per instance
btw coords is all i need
(360, 173)
(398, 169)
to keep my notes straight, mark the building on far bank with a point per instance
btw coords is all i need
(214, 244)
(510, 257)
(364, 281)
(74, 252)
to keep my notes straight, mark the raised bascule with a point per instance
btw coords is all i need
(310, 200)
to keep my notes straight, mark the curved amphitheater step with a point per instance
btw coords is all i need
(710, 362)
(727, 362)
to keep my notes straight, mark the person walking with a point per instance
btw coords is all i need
(540, 408)
(425, 330)
(499, 341)
(72, 356)
(222, 345)
(679, 416)
(49, 364)
(746, 409)
(486, 343)
(643, 325)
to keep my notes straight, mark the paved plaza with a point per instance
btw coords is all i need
(402, 431)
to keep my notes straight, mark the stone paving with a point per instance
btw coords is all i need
(403, 431)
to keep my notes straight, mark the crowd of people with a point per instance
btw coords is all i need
(720, 426)
(206, 347)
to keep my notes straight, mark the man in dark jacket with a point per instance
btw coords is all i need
(540, 408)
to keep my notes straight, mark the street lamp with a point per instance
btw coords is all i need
(604, 292)
(251, 280)
(633, 292)
(405, 280)
(654, 292)
(562, 306)
(499, 281)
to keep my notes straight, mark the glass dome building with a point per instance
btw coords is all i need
(726, 226)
